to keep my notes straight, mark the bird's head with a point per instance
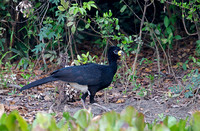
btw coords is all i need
(114, 53)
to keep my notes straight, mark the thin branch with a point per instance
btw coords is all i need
(45, 13)
(185, 25)
(131, 10)
(140, 42)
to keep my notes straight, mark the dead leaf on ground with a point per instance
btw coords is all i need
(47, 98)
(120, 101)
(38, 72)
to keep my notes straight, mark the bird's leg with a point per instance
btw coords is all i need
(83, 103)
(103, 107)
(92, 98)
(93, 102)
(83, 99)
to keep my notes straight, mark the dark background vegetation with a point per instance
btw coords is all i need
(160, 38)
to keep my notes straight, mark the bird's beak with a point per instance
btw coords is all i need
(120, 53)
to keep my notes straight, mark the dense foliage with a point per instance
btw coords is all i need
(30, 29)
(128, 119)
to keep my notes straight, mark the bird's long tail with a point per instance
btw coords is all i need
(38, 82)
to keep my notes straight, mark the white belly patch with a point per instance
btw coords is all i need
(82, 88)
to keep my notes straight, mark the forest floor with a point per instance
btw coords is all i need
(152, 97)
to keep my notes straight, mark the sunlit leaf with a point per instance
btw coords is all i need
(73, 29)
(70, 23)
(61, 8)
(166, 21)
(195, 121)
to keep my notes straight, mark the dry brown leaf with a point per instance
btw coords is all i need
(147, 69)
(10, 108)
(12, 102)
(99, 93)
(38, 72)
(175, 66)
(184, 54)
(4, 91)
(120, 101)
(47, 98)
(167, 110)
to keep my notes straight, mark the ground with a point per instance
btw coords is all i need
(154, 108)
(152, 97)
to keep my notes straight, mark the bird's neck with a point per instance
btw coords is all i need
(113, 65)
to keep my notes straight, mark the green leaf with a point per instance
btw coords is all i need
(65, 4)
(62, 2)
(3, 119)
(78, 57)
(44, 121)
(75, 11)
(70, 23)
(123, 8)
(164, 40)
(198, 41)
(82, 118)
(51, 59)
(128, 114)
(94, 6)
(171, 121)
(108, 121)
(170, 37)
(47, 56)
(169, 30)
(22, 123)
(184, 66)
(2, 41)
(157, 31)
(11, 122)
(91, 2)
(195, 121)
(178, 37)
(82, 11)
(89, 7)
(117, 27)
(73, 29)
(160, 127)
(166, 21)
(139, 122)
(87, 26)
(83, 55)
(126, 39)
(3, 128)
(87, 54)
(61, 8)
(67, 116)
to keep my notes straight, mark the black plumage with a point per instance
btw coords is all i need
(89, 78)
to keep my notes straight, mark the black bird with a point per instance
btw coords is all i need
(89, 78)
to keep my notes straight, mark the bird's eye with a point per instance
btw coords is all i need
(115, 52)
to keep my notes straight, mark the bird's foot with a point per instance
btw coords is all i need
(103, 107)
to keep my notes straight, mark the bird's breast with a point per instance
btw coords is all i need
(82, 88)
